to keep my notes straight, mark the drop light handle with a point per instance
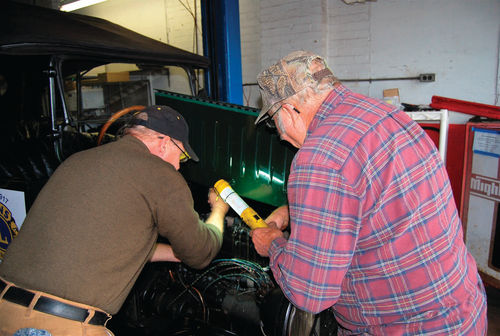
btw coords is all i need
(247, 214)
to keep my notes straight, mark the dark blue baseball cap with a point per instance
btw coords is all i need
(166, 120)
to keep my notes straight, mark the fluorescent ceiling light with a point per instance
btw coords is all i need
(79, 4)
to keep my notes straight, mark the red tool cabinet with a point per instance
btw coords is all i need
(480, 210)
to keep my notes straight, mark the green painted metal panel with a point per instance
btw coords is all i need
(251, 158)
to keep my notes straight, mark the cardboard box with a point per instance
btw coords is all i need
(123, 76)
(391, 96)
(391, 93)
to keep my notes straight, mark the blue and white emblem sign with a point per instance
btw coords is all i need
(12, 214)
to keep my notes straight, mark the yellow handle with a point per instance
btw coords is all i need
(249, 216)
(221, 185)
(252, 219)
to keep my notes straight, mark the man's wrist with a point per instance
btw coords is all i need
(222, 210)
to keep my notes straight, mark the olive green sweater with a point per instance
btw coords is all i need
(95, 223)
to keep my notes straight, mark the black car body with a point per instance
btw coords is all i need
(59, 85)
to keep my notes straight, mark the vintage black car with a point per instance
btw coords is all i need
(67, 83)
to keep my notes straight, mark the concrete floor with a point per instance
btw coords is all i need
(493, 311)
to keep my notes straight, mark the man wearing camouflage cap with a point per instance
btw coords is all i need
(374, 230)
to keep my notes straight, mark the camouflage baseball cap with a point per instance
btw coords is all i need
(288, 76)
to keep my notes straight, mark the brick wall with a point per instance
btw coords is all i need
(275, 28)
(250, 50)
(180, 25)
(455, 39)
(167, 21)
(349, 43)
(292, 25)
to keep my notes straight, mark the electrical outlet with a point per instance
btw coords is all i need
(427, 77)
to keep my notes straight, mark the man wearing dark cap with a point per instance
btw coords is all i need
(95, 224)
(374, 231)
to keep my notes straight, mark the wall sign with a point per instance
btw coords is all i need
(12, 214)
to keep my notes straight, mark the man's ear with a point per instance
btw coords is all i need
(292, 115)
(164, 142)
(165, 139)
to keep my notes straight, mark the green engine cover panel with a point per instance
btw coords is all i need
(251, 158)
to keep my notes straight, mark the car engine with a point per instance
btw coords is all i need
(235, 295)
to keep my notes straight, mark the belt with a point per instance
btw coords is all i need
(50, 306)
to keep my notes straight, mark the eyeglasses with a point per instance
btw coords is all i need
(270, 121)
(184, 156)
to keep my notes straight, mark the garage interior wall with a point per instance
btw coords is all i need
(177, 23)
(167, 21)
(457, 40)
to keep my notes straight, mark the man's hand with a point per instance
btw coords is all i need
(262, 238)
(279, 218)
(216, 202)
(219, 209)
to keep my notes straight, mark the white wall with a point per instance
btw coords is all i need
(250, 49)
(163, 20)
(168, 21)
(279, 26)
(458, 40)
(147, 17)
